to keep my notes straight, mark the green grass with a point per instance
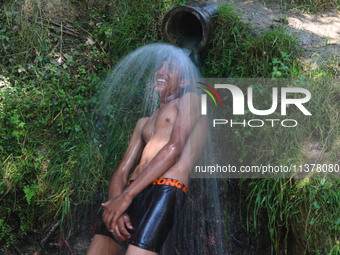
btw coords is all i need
(134, 23)
(53, 164)
(297, 213)
(282, 209)
(236, 51)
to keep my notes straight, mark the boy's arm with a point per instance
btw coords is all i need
(132, 154)
(119, 178)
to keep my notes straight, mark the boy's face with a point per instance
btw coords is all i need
(168, 81)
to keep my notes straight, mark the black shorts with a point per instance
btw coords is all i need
(153, 212)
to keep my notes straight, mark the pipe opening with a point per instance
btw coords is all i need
(184, 30)
(189, 26)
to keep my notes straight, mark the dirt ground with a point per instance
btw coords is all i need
(319, 34)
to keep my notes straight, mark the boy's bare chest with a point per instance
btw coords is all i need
(161, 123)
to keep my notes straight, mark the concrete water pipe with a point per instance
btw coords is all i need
(189, 26)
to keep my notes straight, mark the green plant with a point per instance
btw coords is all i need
(304, 210)
(236, 51)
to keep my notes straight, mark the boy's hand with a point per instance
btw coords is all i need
(114, 208)
(121, 229)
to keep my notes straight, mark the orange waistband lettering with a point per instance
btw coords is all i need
(171, 182)
(168, 182)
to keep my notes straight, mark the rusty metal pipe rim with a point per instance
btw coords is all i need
(189, 24)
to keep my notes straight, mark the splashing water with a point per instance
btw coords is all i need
(128, 94)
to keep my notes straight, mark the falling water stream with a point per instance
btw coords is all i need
(127, 94)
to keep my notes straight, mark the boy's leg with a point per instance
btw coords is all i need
(103, 245)
(134, 250)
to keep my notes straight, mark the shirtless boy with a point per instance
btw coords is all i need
(142, 211)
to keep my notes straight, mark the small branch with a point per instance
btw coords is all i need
(61, 39)
(18, 250)
(48, 235)
(64, 27)
(14, 54)
(58, 27)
